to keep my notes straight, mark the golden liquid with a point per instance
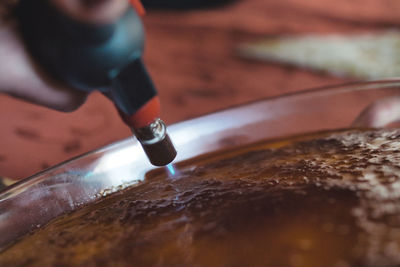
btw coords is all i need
(304, 201)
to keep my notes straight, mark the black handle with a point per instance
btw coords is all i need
(86, 56)
(89, 57)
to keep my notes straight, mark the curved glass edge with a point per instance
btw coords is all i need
(42, 197)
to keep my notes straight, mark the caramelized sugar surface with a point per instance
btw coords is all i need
(328, 199)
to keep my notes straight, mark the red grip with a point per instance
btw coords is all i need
(138, 6)
(145, 115)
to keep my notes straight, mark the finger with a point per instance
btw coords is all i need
(92, 11)
(381, 113)
(21, 78)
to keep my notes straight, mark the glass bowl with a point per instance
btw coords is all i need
(36, 200)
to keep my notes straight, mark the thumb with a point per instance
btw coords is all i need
(92, 11)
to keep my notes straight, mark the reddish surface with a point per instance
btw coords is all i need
(192, 58)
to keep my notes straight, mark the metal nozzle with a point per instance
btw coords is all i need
(156, 143)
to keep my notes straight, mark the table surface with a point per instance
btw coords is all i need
(192, 58)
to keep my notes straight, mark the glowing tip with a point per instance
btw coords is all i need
(171, 169)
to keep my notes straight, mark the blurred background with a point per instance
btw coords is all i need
(195, 59)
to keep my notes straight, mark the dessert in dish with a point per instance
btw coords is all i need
(322, 199)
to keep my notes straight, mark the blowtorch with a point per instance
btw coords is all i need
(104, 57)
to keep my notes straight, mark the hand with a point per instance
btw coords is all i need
(21, 77)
